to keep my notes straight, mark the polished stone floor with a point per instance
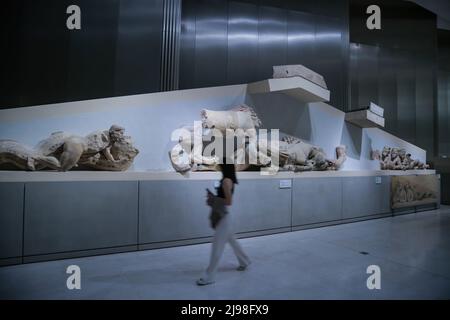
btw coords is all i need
(412, 251)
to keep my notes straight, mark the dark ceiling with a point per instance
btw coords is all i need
(439, 7)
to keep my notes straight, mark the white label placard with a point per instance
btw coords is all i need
(378, 180)
(285, 184)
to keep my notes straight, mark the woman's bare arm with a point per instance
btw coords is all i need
(227, 186)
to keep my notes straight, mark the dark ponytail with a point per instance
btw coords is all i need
(228, 171)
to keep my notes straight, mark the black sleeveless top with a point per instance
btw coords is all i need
(220, 192)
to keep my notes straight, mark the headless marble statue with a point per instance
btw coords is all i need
(100, 150)
(294, 154)
(392, 158)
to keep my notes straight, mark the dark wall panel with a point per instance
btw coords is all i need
(444, 112)
(425, 84)
(354, 57)
(396, 68)
(116, 52)
(242, 42)
(406, 102)
(328, 57)
(368, 70)
(443, 97)
(364, 74)
(10, 17)
(301, 38)
(403, 83)
(329, 8)
(272, 45)
(210, 43)
(187, 44)
(43, 51)
(91, 69)
(138, 41)
(118, 49)
(400, 22)
(387, 87)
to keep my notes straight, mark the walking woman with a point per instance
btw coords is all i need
(222, 223)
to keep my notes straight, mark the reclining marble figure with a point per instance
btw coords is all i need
(24, 157)
(122, 152)
(294, 154)
(101, 150)
(297, 155)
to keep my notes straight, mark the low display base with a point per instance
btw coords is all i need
(49, 176)
(55, 216)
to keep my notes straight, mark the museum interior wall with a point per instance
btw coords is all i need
(231, 42)
(222, 43)
(443, 115)
(117, 52)
(397, 69)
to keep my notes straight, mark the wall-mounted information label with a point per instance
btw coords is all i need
(285, 184)
(378, 180)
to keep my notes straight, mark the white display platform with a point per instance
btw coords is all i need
(364, 119)
(379, 111)
(297, 87)
(53, 215)
(50, 176)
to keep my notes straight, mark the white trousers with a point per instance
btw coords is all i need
(224, 233)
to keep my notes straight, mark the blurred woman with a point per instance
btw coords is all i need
(221, 222)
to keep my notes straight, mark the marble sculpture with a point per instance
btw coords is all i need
(189, 156)
(294, 154)
(297, 155)
(392, 158)
(414, 190)
(107, 150)
(25, 157)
